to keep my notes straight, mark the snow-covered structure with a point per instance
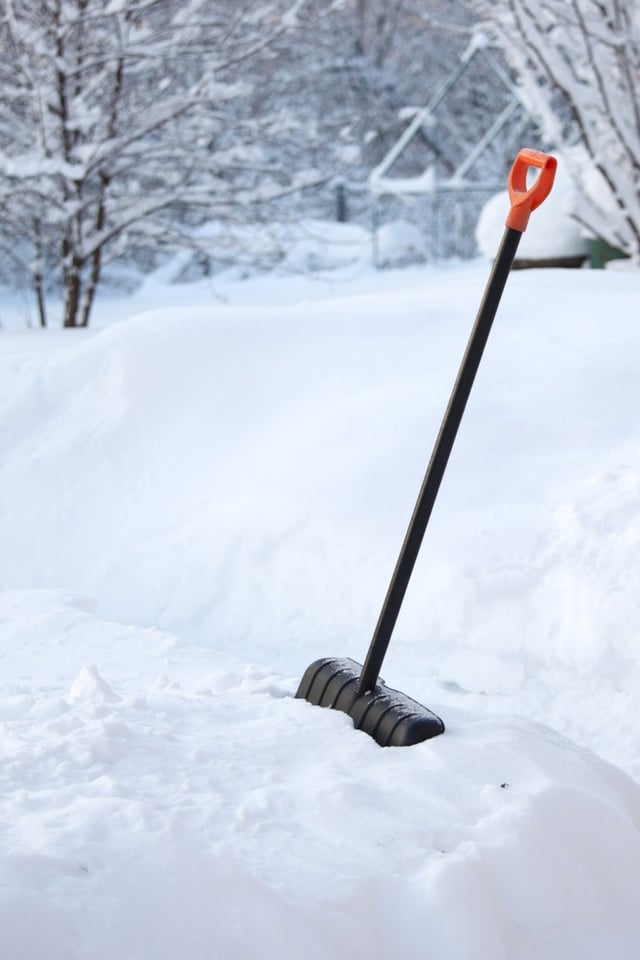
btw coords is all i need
(454, 153)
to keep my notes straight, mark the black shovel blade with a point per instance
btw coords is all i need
(390, 717)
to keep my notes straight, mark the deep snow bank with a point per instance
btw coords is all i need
(243, 477)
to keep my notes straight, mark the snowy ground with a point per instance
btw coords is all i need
(206, 492)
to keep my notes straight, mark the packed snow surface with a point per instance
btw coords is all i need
(200, 498)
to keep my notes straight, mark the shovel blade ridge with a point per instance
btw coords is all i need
(389, 716)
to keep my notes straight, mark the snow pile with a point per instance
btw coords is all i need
(198, 809)
(199, 501)
(319, 245)
(399, 243)
(551, 234)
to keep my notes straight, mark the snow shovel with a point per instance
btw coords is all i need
(391, 717)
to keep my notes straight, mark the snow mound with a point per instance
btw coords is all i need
(91, 687)
(318, 245)
(399, 243)
(204, 810)
(550, 234)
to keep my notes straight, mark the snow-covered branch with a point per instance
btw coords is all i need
(579, 62)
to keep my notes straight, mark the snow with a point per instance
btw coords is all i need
(207, 491)
(424, 182)
(555, 47)
(316, 245)
(552, 232)
(399, 242)
(479, 41)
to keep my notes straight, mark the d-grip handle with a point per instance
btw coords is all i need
(523, 199)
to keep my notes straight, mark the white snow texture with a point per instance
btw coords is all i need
(197, 501)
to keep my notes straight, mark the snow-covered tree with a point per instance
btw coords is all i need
(350, 70)
(117, 123)
(357, 64)
(579, 65)
(124, 124)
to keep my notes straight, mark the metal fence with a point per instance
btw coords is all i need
(446, 217)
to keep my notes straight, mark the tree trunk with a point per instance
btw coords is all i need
(39, 292)
(92, 286)
(38, 280)
(72, 286)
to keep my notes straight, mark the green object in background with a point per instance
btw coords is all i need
(600, 252)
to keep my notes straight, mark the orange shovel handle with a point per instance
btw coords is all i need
(523, 199)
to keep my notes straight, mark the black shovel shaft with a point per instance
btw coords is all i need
(439, 459)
